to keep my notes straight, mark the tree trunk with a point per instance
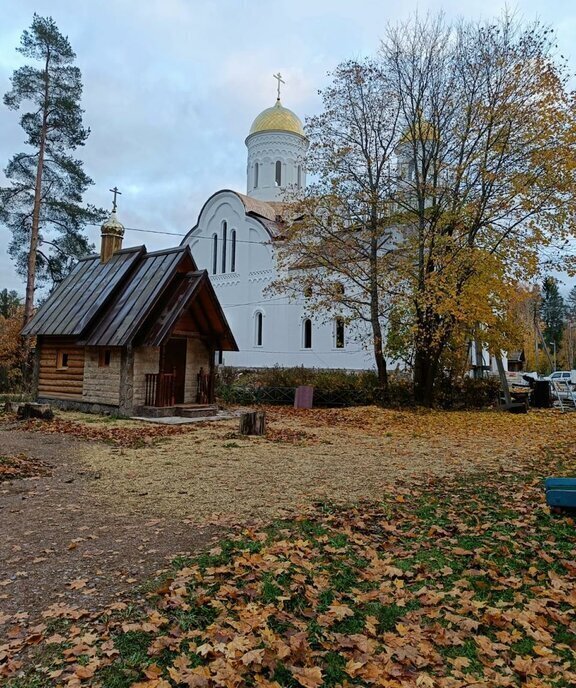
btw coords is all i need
(35, 231)
(253, 423)
(377, 340)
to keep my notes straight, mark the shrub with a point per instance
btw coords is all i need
(345, 388)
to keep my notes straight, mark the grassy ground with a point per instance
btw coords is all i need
(444, 582)
(418, 553)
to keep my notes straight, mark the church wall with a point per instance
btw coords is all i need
(146, 360)
(101, 380)
(265, 149)
(197, 357)
(241, 295)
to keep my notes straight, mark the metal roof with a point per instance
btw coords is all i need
(71, 307)
(192, 293)
(138, 297)
(135, 295)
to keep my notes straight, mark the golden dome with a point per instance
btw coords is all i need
(421, 131)
(277, 118)
(113, 225)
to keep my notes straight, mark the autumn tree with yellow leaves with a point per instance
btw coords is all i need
(490, 130)
(338, 248)
(478, 144)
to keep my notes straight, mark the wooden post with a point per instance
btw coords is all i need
(253, 423)
(503, 380)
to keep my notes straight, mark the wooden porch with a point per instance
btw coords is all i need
(162, 389)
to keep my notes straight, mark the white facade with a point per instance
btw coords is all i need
(275, 164)
(234, 240)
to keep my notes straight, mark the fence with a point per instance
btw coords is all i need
(234, 394)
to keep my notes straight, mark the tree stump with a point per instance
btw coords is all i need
(253, 423)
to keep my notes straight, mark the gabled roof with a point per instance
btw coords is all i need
(192, 293)
(265, 212)
(71, 307)
(122, 320)
(120, 301)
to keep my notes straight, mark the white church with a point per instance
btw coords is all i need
(235, 239)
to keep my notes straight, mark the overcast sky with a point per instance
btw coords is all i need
(171, 87)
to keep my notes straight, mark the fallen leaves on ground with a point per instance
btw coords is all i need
(218, 475)
(21, 466)
(122, 435)
(456, 582)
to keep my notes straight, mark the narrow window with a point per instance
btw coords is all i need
(307, 327)
(308, 292)
(258, 333)
(278, 173)
(299, 176)
(339, 289)
(62, 359)
(214, 254)
(233, 251)
(256, 174)
(104, 358)
(339, 333)
(224, 239)
(220, 358)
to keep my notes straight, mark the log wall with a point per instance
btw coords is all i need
(60, 383)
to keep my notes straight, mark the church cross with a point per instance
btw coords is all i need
(280, 80)
(116, 193)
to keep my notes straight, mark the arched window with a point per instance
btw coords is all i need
(259, 322)
(299, 182)
(307, 333)
(278, 173)
(224, 239)
(214, 254)
(339, 340)
(256, 174)
(233, 251)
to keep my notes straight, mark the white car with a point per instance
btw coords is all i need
(562, 376)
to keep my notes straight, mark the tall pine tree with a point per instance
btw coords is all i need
(552, 311)
(42, 206)
(571, 305)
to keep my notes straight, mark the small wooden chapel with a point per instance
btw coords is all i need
(130, 332)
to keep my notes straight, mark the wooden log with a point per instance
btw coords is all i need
(61, 375)
(253, 423)
(61, 384)
(29, 410)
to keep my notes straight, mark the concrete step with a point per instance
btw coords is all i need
(197, 411)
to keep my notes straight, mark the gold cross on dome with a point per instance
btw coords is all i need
(116, 193)
(280, 80)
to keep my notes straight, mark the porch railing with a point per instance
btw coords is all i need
(160, 389)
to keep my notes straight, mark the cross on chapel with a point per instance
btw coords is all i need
(116, 193)
(280, 80)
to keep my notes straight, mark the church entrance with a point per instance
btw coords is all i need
(173, 369)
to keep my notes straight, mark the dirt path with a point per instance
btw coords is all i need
(62, 543)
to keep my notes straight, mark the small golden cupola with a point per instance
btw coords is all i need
(112, 232)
